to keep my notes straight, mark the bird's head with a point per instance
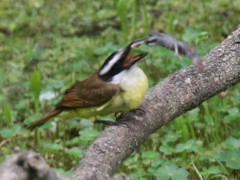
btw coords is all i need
(120, 60)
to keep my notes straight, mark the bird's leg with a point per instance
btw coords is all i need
(95, 120)
(111, 123)
(118, 115)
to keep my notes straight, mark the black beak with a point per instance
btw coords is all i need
(134, 44)
(140, 56)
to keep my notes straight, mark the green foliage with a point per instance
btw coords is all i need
(87, 135)
(122, 8)
(232, 143)
(213, 170)
(172, 172)
(35, 81)
(10, 132)
(231, 158)
(7, 114)
(47, 46)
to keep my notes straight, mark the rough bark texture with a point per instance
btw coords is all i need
(176, 94)
(28, 165)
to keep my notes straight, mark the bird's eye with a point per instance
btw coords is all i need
(117, 63)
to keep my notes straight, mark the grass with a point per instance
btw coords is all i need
(47, 46)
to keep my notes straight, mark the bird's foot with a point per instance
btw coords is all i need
(140, 111)
(118, 114)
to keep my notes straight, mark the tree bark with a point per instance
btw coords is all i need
(28, 165)
(175, 95)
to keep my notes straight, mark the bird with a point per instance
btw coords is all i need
(118, 86)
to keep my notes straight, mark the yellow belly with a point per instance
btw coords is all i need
(128, 99)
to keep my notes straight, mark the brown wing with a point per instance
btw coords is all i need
(92, 91)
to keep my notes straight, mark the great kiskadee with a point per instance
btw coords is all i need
(118, 86)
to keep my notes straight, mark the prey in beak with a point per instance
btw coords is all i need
(179, 47)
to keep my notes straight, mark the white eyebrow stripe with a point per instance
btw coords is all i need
(110, 64)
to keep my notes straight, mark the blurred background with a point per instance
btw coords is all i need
(47, 45)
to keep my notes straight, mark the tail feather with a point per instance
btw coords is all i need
(44, 119)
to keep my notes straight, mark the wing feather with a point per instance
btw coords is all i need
(90, 92)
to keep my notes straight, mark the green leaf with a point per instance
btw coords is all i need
(122, 11)
(233, 114)
(2, 77)
(155, 164)
(140, 174)
(51, 147)
(157, 161)
(185, 146)
(232, 143)
(10, 132)
(86, 122)
(172, 137)
(211, 171)
(73, 141)
(171, 172)
(194, 35)
(189, 146)
(233, 111)
(35, 80)
(31, 119)
(57, 84)
(149, 156)
(166, 149)
(75, 152)
(194, 114)
(235, 132)
(88, 134)
(122, 7)
(131, 162)
(7, 113)
(231, 158)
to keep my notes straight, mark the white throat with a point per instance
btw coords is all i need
(129, 76)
